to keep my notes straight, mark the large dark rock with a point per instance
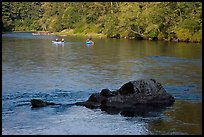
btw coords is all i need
(133, 98)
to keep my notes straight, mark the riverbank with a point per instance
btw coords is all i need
(71, 32)
(83, 34)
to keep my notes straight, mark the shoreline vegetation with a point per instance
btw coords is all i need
(66, 33)
(71, 33)
(102, 36)
(166, 21)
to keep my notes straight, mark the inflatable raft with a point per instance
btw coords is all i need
(88, 43)
(57, 42)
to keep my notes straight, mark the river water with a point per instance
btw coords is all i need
(32, 67)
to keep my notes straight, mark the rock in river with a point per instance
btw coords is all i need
(134, 98)
(40, 103)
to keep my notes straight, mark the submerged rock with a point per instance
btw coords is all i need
(40, 103)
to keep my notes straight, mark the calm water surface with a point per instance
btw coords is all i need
(32, 67)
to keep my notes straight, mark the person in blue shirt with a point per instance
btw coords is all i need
(90, 40)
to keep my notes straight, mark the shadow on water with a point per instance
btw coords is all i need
(138, 110)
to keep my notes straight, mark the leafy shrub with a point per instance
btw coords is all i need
(183, 34)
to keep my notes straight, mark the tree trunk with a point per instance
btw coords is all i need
(111, 7)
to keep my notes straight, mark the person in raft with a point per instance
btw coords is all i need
(90, 40)
(62, 40)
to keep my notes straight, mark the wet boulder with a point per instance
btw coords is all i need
(40, 103)
(134, 97)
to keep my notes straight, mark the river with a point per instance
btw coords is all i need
(33, 67)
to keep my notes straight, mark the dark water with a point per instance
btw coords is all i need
(32, 67)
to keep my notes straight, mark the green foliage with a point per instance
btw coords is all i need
(183, 34)
(70, 17)
(163, 20)
(111, 25)
(197, 36)
(7, 24)
(191, 24)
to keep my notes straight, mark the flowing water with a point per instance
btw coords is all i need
(32, 67)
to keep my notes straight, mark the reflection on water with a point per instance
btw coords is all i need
(32, 67)
(183, 118)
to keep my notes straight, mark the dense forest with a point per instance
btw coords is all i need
(179, 21)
